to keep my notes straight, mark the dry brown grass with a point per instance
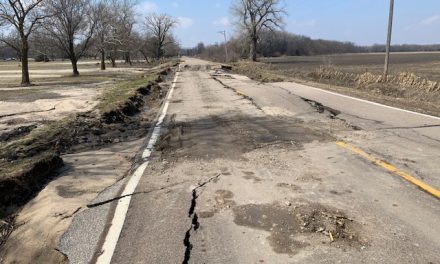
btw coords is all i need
(424, 64)
(258, 71)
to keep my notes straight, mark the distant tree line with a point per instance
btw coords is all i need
(282, 43)
(404, 48)
(74, 29)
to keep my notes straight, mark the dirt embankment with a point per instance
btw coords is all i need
(31, 157)
(404, 89)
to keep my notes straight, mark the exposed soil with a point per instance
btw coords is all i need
(6, 228)
(42, 110)
(16, 188)
(133, 105)
(50, 212)
(286, 222)
(16, 133)
(39, 158)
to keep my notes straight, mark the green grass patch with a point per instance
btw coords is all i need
(120, 93)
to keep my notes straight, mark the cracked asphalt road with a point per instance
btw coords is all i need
(250, 173)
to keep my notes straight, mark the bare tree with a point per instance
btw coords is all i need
(124, 23)
(24, 16)
(144, 44)
(72, 27)
(159, 26)
(102, 15)
(42, 45)
(255, 15)
(172, 49)
(120, 38)
(7, 52)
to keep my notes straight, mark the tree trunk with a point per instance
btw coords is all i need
(72, 57)
(102, 60)
(145, 56)
(159, 51)
(113, 60)
(128, 58)
(74, 62)
(253, 49)
(25, 80)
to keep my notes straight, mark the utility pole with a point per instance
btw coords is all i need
(226, 44)
(390, 30)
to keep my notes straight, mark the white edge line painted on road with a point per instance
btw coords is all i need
(112, 237)
(370, 102)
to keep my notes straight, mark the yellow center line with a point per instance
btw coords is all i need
(425, 187)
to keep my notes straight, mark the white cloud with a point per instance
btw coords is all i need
(426, 22)
(223, 21)
(148, 7)
(429, 20)
(185, 22)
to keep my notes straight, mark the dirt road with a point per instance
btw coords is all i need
(252, 173)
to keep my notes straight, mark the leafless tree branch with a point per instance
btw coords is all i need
(255, 15)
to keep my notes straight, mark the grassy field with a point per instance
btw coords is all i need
(423, 64)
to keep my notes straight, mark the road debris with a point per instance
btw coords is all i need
(287, 222)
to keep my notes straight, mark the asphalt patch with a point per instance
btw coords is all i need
(286, 222)
(223, 200)
(231, 137)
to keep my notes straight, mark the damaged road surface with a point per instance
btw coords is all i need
(245, 172)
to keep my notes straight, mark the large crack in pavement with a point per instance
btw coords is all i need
(195, 225)
(333, 113)
(320, 108)
(133, 194)
(237, 92)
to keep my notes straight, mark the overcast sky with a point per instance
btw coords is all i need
(361, 21)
